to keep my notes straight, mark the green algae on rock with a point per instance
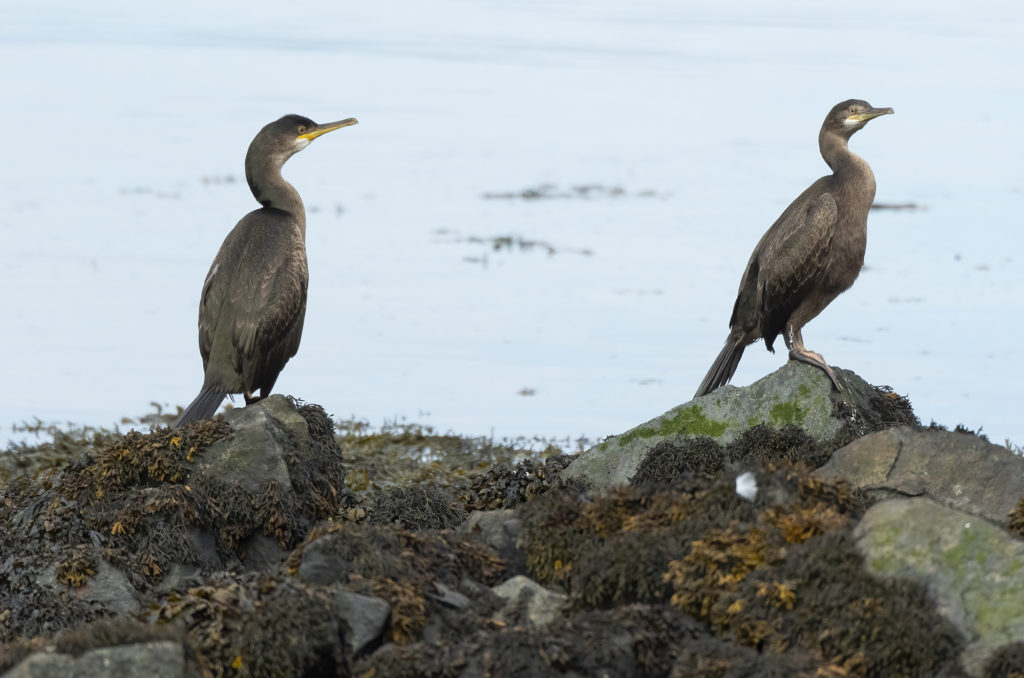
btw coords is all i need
(796, 395)
(973, 568)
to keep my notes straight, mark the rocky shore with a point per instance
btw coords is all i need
(783, 529)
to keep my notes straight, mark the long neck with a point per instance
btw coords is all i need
(263, 172)
(852, 182)
(835, 151)
(844, 163)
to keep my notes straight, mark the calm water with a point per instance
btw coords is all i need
(125, 128)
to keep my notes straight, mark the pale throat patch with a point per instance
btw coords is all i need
(851, 122)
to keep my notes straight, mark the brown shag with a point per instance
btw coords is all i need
(254, 299)
(809, 256)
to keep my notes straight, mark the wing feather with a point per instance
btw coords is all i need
(793, 256)
(253, 302)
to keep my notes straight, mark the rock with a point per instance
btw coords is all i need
(178, 576)
(499, 529)
(450, 597)
(366, 617)
(971, 567)
(958, 470)
(109, 588)
(796, 394)
(261, 553)
(322, 564)
(542, 606)
(263, 435)
(163, 659)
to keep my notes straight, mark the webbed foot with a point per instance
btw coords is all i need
(812, 358)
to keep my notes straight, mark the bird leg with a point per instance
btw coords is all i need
(250, 398)
(795, 344)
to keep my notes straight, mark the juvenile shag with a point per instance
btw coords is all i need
(254, 298)
(810, 255)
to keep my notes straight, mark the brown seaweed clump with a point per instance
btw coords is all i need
(412, 571)
(138, 505)
(1007, 662)
(615, 549)
(67, 521)
(506, 486)
(778, 574)
(884, 409)
(671, 459)
(417, 507)
(257, 625)
(765, 444)
(1015, 521)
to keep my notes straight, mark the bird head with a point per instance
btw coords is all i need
(849, 116)
(287, 136)
(277, 142)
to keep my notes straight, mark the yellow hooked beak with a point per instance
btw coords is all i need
(320, 130)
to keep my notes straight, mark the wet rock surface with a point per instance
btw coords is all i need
(270, 564)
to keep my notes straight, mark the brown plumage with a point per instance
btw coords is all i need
(810, 255)
(254, 299)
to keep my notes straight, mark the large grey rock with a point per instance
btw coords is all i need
(796, 394)
(365, 616)
(162, 659)
(262, 436)
(542, 606)
(972, 568)
(959, 470)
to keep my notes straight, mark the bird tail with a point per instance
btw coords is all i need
(203, 407)
(724, 366)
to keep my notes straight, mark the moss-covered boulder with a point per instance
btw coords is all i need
(796, 395)
(973, 569)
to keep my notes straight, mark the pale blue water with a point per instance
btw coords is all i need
(121, 121)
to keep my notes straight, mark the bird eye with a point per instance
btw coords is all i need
(302, 129)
